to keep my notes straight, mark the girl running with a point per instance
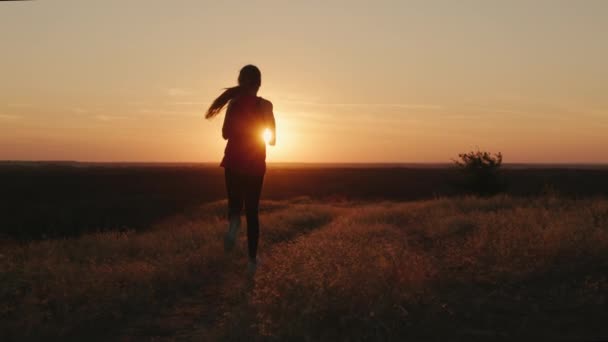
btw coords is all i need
(249, 121)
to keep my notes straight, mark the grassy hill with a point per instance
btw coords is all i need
(459, 268)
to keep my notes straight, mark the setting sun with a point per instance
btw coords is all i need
(267, 135)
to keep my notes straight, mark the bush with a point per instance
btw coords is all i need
(482, 172)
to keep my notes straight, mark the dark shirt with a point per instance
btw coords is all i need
(246, 119)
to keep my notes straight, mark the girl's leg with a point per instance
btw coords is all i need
(234, 189)
(253, 191)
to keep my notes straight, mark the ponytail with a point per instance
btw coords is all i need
(221, 101)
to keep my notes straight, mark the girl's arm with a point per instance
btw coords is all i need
(273, 129)
(270, 122)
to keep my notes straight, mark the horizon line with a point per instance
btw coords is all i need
(68, 161)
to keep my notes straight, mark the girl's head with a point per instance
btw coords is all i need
(250, 79)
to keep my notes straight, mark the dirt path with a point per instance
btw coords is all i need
(205, 315)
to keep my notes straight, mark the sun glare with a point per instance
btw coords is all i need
(267, 135)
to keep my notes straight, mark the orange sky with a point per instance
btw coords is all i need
(396, 81)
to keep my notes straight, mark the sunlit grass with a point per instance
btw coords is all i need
(391, 270)
(367, 271)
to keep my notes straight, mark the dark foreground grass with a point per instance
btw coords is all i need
(458, 269)
(94, 286)
(465, 269)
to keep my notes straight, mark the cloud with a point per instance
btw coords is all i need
(79, 110)
(597, 113)
(176, 92)
(107, 118)
(296, 101)
(20, 105)
(189, 103)
(357, 105)
(8, 117)
(162, 112)
(135, 103)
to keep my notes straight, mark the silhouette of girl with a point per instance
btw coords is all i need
(244, 162)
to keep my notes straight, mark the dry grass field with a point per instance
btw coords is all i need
(462, 268)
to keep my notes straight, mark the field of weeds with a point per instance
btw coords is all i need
(460, 268)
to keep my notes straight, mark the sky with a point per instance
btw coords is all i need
(351, 81)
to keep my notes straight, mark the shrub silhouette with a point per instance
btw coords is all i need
(481, 172)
